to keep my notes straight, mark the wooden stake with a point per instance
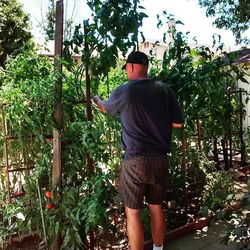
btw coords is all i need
(6, 158)
(56, 170)
(57, 152)
(184, 165)
(90, 162)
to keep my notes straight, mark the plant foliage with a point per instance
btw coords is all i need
(231, 15)
(14, 28)
(87, 199)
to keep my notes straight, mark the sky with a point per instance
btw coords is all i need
(187, 11)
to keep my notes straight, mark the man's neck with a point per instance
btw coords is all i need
(139, 78)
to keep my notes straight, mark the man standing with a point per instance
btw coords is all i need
(148, 111)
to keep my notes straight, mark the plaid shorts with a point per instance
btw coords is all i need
(143, 176)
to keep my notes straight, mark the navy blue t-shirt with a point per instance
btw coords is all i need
(147, 109)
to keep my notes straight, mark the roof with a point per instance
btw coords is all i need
(48, 48)
(238, 56)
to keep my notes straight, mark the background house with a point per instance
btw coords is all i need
(48, 48)
(243, 60)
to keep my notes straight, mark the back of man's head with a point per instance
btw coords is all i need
(137, 57)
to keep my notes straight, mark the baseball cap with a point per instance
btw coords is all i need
(136, 57)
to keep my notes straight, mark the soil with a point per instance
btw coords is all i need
(31, 243)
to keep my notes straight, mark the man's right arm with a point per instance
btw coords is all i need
(97, 100)
(114, 104)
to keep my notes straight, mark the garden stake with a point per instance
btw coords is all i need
(6, 159)
(90, 162)
(184, 165)
(57, 143)
(41, 211)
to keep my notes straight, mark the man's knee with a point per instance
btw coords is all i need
(155, 207)
(131, 212)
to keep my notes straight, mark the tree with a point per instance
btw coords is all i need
(14, 28)
(231, 15)
(113, 29)
(48, 23)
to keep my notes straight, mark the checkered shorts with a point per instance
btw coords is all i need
(143, 176)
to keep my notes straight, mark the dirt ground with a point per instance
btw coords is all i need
(30, 244)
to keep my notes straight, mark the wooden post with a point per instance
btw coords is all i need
(6, 158)
(88, 94)
(242, 142)
(184, 165)
(228, 164)
(90, 162)
(57, 162)
(198, 132)
(56, 171)
(216, 154)
(57, 152)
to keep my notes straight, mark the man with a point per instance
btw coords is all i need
(148, 111)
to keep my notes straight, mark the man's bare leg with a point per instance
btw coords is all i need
(158, 222)
(134, 228)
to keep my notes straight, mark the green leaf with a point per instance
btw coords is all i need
(230, 197)
(57, 227)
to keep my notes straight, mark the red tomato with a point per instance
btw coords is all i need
(50, 205)
(48, 194)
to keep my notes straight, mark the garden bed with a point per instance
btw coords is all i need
(30, 242)
(180, 222)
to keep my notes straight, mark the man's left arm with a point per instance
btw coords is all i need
(177, 125)
(176, 113)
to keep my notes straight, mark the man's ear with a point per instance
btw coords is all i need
(130, 67)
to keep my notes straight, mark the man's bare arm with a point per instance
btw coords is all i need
(177, 125)
(97, 100)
